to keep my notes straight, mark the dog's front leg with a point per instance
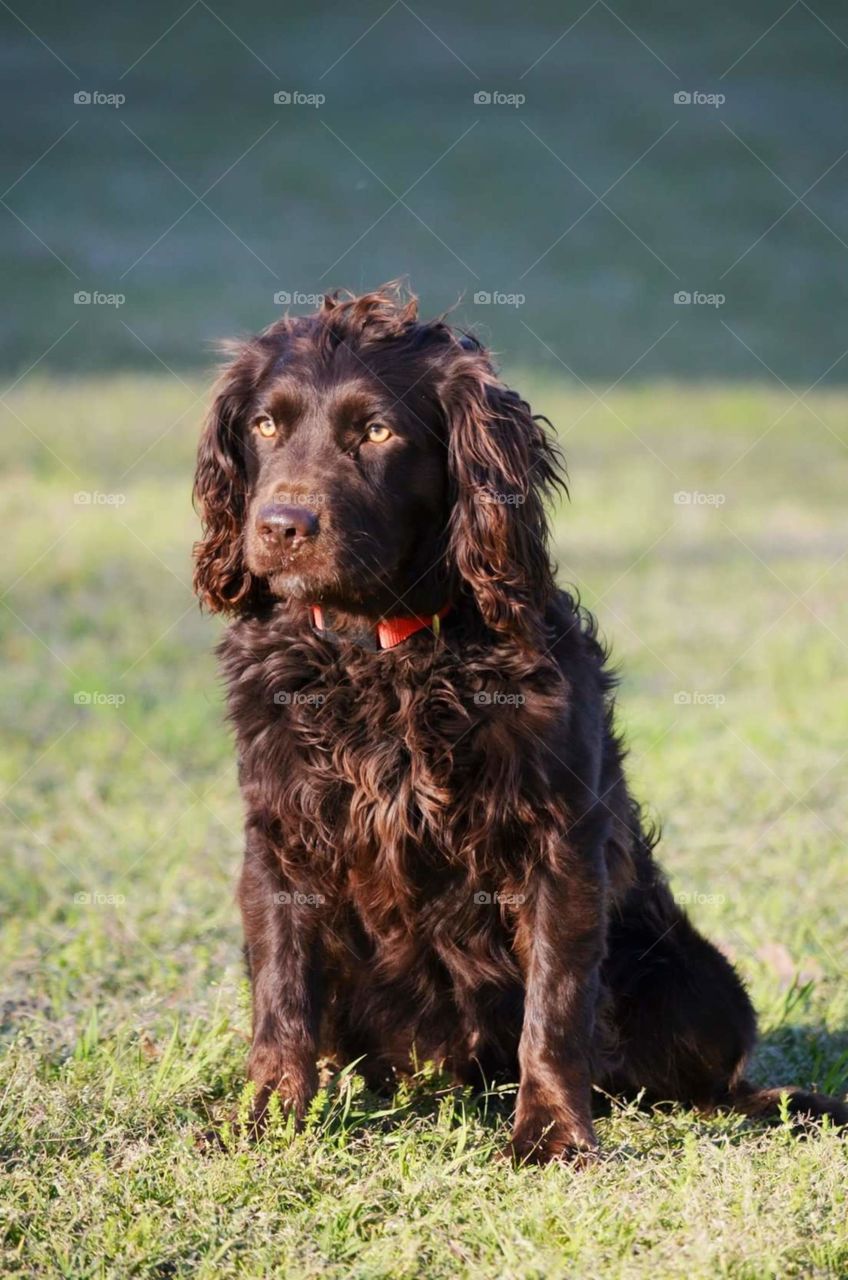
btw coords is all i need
(560, 943)
(281, 929)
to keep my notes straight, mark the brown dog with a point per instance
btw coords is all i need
(442, 857)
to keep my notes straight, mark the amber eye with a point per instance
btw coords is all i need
(266, 427)
(377, 433)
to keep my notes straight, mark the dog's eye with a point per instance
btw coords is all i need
(377, 433)
(266, 427)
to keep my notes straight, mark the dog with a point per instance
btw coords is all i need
(443, 860)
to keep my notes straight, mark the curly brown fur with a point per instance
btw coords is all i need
(443, 860)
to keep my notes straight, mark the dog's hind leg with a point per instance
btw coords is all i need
(682, 1022)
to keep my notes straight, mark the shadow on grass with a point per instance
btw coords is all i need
(810, 1056)
(346, 1111)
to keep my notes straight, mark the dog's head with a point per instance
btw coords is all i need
(364, 461)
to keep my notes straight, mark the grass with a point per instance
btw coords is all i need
(124, 1015)
(497, 198)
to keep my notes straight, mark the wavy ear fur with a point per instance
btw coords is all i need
(221, 579)
(502, 465)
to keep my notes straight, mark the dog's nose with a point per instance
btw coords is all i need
(287, 525)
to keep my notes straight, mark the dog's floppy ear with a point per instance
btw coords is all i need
(502, 465)
(221, 578)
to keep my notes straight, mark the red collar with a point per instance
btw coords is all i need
(389, 631)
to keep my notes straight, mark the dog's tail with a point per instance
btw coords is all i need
(799, 1104)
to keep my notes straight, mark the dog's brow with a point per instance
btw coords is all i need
(356, 399)
(285, 400)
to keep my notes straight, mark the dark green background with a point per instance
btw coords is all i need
(399, 96)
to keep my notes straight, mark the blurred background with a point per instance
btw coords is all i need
(577, 163)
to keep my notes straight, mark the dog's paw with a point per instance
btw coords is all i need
(292, 1081)
(538, 1139)
(278, 1099)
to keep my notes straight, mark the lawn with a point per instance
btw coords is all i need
(595, 199)
(707, 528)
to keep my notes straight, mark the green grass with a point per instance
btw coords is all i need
(125, 1020)
(499, 199)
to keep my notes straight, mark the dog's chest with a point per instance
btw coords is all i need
(403, 777)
